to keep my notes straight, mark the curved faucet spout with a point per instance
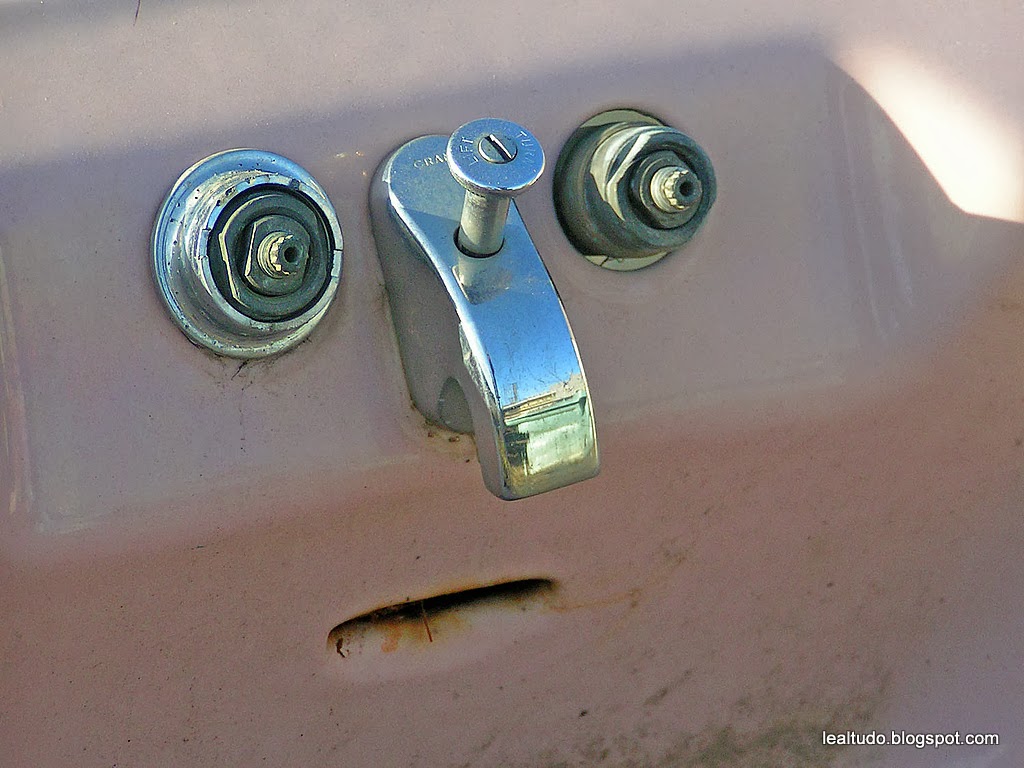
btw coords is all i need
(485, 342)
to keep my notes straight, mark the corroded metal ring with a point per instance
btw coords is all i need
(181, 253)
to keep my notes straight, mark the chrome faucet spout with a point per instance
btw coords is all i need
(485, 341)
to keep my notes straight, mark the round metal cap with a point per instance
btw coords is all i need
(495, 157)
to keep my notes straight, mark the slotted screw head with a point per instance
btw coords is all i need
(494, 160)
(495, 157)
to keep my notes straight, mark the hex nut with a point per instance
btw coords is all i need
(602, 189)
(234, 244)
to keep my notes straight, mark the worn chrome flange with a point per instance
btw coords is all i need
(247, 253)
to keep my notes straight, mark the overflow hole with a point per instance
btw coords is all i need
(519, 595)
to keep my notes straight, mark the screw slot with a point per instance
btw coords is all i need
(495, 148)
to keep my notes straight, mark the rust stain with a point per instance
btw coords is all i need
(407, 633)
(426, 624)
(633, 596)
(445, 440)
(392, 636)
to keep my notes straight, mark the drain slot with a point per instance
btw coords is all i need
(482, 616)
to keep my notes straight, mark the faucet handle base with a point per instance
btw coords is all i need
(484, 340)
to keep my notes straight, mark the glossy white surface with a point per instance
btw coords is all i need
(811, 419)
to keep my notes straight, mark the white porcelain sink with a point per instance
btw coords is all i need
(811, 418)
